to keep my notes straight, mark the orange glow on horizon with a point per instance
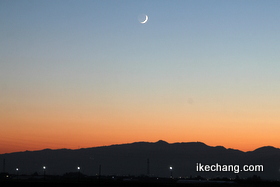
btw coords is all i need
(65, 126)
(104, 132)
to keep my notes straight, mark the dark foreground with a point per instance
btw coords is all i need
(162, 183)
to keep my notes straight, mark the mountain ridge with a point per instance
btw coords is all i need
(162, 142)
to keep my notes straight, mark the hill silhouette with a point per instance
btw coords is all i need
(131, 159)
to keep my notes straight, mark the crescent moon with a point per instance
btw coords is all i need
(146, 19)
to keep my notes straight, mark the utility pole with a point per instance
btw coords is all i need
(99, 172)
(4, 165)
(148, 167)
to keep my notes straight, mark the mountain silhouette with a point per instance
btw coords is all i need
(133, 158)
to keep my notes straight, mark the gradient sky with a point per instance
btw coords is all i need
(79, 74)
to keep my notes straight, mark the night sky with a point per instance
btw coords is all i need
(77, 74)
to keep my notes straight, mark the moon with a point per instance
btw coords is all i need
(146, 19)
(143, 18)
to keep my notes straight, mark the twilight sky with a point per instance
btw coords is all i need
(79, 74)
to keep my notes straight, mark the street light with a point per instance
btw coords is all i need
(44, 168)
(171, 168)
(79, 168)
(17, 172)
